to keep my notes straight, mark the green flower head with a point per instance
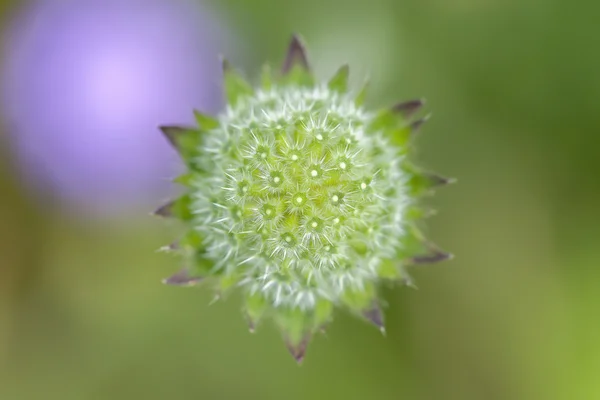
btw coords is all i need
(301, 198)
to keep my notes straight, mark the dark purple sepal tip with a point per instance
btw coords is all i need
(296, 55)
(375, 316)
(298, 351)
(416, 125)
(434, 256)
(323, 329)
(438, 180)
(165, 210)
(408, 108)
(171, 247)
(225, 64)
(251, 326)
(182, 278)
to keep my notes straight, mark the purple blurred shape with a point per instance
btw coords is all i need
(85, 85)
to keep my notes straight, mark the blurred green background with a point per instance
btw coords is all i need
(513, 87)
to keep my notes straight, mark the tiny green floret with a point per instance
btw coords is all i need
(301, 198)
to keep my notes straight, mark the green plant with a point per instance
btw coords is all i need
(300, 197)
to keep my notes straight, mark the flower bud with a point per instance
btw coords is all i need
(302, 198)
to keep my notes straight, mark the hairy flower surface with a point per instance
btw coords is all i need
(301, 198)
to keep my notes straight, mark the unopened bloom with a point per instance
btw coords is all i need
(301, 198)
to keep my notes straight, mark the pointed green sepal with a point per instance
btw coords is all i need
(296, 329)
(201, 265)
(228, 281)
(192, 241)
(174, 133)
(407, 279)
(205, 122)
(389, 270)
(361, 97)
(184, 139)
(296, 68)
(184, 179)
(266, 77)
(421, 182)
(393, 125)
(414, 213)
(255, 308)
(236, 86)
(374, 315)
(339, 82)
(359, 300)
(387, 120)
(322, 314)
(179, 208)
(412, 243)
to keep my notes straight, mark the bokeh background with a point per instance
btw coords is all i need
(514, 89)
